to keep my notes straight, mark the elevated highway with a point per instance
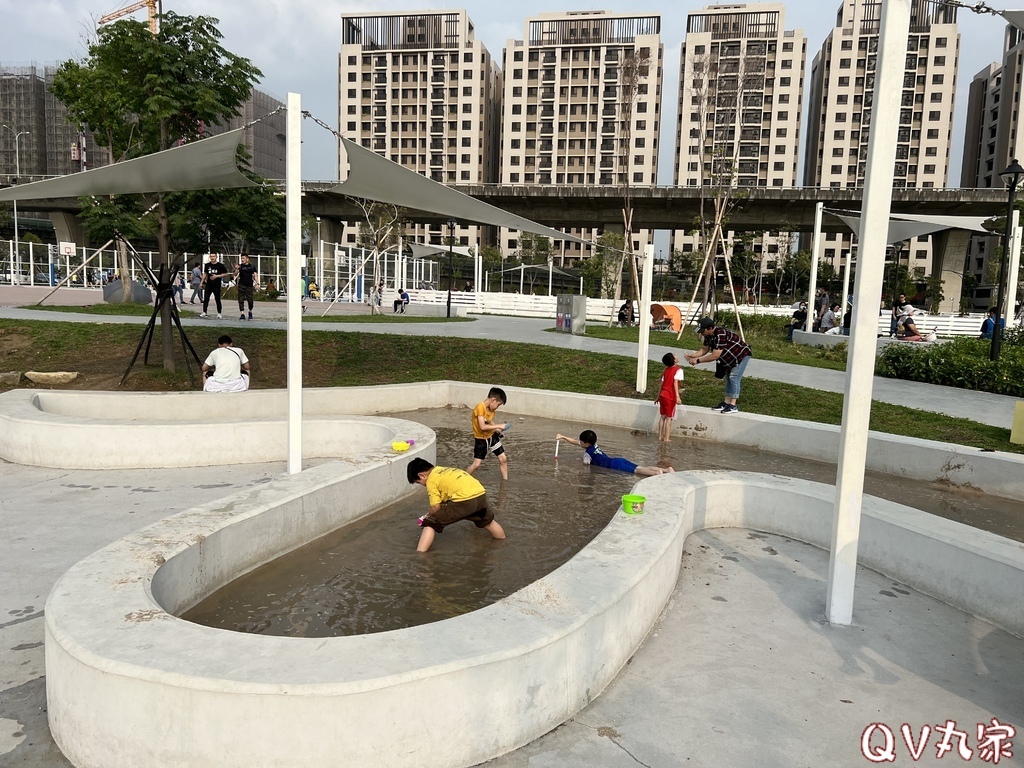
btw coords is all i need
(756, 209)
(658, 207)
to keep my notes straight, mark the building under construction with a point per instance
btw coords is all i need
(51, 145)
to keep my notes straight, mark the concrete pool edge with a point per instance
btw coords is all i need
(126, 687)
(63, 429)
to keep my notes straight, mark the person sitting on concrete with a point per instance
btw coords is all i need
(226, 369)
(989, 325)
(626, 315)
(906, 328)
(829, 320)
(401, 302)
(798, 321)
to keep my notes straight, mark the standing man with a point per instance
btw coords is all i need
(228, 368)
(197, 282)
(213, 271)
(897, 308)
(730, 351)
(246, 278)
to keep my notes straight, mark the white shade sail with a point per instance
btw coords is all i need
(373, 177)
(423, 250)
(904, 226)
(205, 164)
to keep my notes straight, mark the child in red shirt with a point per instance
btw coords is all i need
(670, 395)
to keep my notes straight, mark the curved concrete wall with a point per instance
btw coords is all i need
(75, 429)
(128, 684)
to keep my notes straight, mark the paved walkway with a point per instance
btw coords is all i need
(983, 407)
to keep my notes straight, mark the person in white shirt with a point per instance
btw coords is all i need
(226, 369)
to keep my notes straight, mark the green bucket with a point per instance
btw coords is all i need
(633, 505)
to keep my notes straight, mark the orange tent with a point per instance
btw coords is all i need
(666, 314)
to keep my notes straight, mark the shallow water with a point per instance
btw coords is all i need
(366, 577)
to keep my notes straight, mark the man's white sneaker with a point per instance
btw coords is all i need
(218, 316)
(203, 314)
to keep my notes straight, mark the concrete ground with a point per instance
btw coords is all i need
(742, 670)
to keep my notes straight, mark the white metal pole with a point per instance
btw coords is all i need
(522, 271)
(581, 285)
(815, 251)
(1011, 276)
(551, 266)
(319, 259)
(846, 282)
(645, 312)
(874, 226)
(293, 252)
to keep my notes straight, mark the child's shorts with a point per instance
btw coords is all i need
(475, 510)
(667, 407)
(482, 444)
(622, 465)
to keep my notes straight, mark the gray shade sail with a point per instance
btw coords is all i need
(535, 268)
(373, 177)
(423, 250)
(205, 164)
(903, 227)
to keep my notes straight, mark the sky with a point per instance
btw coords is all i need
(295, 43)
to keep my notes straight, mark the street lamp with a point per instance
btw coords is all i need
(451, 269)
(1011, 177)
(17, 173)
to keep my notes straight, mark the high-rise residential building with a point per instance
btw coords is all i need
(991, 143)
(582, 107)
(741, 81)
(839, 103)
(420, 89)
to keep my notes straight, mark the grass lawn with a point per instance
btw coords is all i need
(765, 335)
(141, 310)
(330, 358)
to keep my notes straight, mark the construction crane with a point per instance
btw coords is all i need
(154, 12)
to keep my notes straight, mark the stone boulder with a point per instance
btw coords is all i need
(51, 378)
(11, 379)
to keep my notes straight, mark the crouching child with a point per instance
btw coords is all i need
(454, 495)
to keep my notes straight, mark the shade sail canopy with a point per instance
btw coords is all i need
(903, 226)
(423, 250)
(205, 164)
(536, 268)
(373, 177)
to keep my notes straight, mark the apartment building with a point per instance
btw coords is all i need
(581, 107)
(841, 89)
(991, 143)
(419, 89)
(741, 82)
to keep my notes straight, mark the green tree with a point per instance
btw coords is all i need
(141, 93)
(933, 293)
(685, 265)
(610, 247)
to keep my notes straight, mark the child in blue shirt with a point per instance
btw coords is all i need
(597, 457)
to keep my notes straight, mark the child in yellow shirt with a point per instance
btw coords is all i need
(486, 434)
